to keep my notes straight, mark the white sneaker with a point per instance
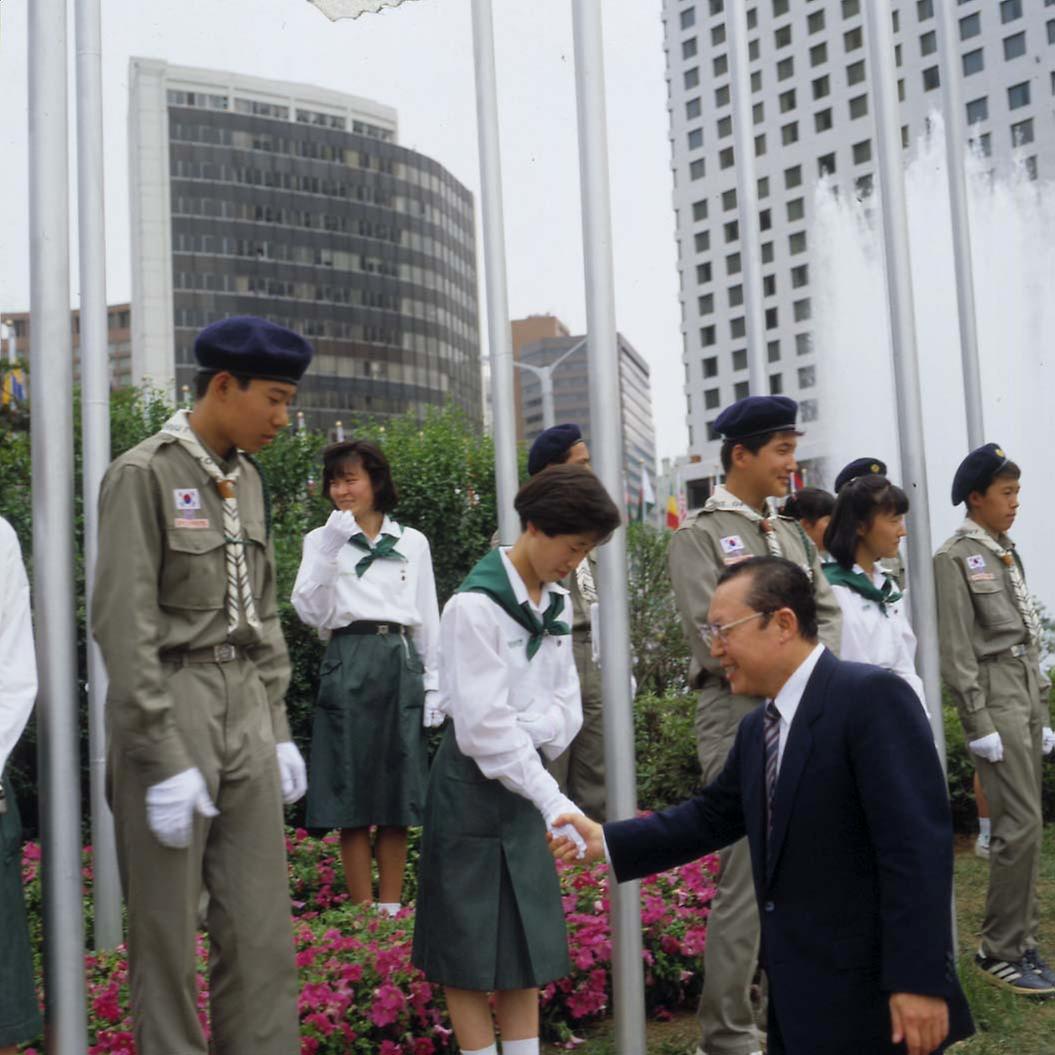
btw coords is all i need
(981, 846)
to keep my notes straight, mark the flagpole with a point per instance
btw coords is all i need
(606, 435)
(500, 337)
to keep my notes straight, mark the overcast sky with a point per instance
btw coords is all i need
(418, 59)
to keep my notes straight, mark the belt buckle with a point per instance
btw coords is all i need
(225, 653)
(1018, 651)
(382, 628)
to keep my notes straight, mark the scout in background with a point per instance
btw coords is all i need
(737, 522)
(990, 636)
(200, 757)
(365, 582)
(19, 1011)
(866, 528)
(489, 915)
(812, 508)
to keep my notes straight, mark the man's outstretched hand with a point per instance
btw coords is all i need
(563, 849)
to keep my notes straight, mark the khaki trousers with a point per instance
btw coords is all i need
(238, 858)
(580, 769)
(730, 956)
(1013, 788)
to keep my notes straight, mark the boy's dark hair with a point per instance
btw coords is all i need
(752, 444)
(778, 583)
(858, 504)
(1008, 471)
(203, 377)
(567, 500)
(370, 456)
(809, 504)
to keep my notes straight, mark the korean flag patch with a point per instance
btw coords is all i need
(187, 498)
(976, 562)
(732, 545)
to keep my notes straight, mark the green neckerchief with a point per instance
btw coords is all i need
(385, 547)
(489, 577)
(860, 583)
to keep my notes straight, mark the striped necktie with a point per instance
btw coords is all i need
(772, 741)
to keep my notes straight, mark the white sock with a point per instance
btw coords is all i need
(491, 1049)
(985, 826)
(520, 1047)
(389, 908)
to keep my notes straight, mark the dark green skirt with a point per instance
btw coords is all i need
(19, 1011)
(489, 914)
(369, 760)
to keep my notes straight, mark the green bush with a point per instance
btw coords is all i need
(668, 770)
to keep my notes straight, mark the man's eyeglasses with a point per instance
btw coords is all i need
(712, 632)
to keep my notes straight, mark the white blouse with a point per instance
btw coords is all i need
(18, 667)
(869, 636)
(504, 706)
(328, 594)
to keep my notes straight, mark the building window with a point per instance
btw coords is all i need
(796, 209)
(800, 276)
(769, 285)
(740, 359)
(808, 410)
(787, 100)
(815, 22)
(688, 17)
(707, 336)
(721, 96)
(692, 109)
(928, 43)
(703, 274)
(712, 397)
(901, 90)
(763, 187)
(731, 231)
(897, 55)
(973, 62)
(773, 351)
(786, 68)
(858, 106)
(790, 133)
(718, 34)
(1014, 46)
(793, 177)
(826, 165)
(822, 120)
(970, 26)
(895, 21)
(752, 17)
(705, 304)
(1051, 31)
(1022, 133)
(807, 376)
(735, 296)
(732, 264)
(803, 343)
(710, 366)
(931, 78)
(1030, 166)
(725, 127)
(851, 8)
(819, 54)
(797, 243)
(758, 113)
(821, 87)
(782, 37)
(853, 39)
(696, 169)
(699, 210)
(776, 384)
(983, 144)
(978, 110)
(855, 72)
(720, 65)
(772, 318)
(695, 138)
(729, 199)
(717, 7)
(801, 309)
(765, 220)
(726, 159)
(924, 9)
(767, 252)
(741, 390)
(756, 81)
(702, 241)
(692, 77)
(862, 152)
(760, 144)
(689, 48)
(1010, 10)
(863, 185)
(737, 327)
(1018, 95)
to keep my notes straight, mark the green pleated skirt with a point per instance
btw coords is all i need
(489, 915)
(369, 760)
(19, 1012)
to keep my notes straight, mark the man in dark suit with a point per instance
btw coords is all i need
(836, 784)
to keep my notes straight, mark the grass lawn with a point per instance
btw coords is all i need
(1008, 1025)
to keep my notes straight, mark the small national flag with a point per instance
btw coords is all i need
(335, 9)
(14, 388)
(673, 515)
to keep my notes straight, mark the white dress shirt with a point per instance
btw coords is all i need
(790, 696)
(328, 594)
(869, 636)
(18, 665)
(504, 706)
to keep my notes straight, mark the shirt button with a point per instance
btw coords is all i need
(769, 906)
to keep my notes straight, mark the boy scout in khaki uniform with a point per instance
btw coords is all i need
(758, 456)
(199, 755)
(990, 659)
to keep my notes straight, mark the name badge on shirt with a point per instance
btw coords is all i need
(187, 498)
(184, 522)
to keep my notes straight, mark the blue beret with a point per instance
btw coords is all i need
(255, 348)
(859, 467)
(550, 445)
(977, 470)
(756, 415)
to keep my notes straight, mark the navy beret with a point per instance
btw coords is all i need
(551, 445)
(756, 415)
(254, 348)
(859, 467)
(977, 470)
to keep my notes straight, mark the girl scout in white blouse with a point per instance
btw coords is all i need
(489, 916)
(867, 527)
(366, 583)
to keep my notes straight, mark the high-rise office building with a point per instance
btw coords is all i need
(812, 113)
(571, 395)
(297, 204)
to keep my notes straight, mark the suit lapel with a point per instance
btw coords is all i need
(796, 753)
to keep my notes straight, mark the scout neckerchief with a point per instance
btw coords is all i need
(385, 547)
(239, 591)
(489, 577)
(969, 529)
(884, 596)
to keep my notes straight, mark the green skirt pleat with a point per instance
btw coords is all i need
(19, 1012)
(369, 760)
(489, 915)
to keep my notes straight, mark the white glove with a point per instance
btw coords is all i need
(433, 715)
(291, 771)
(171, 806)
(542, 728)
(989, 747)
(336, 532)
(557, 806)
(1047, 739)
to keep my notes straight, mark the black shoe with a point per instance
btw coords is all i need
(1031, 958)
(1018, 977)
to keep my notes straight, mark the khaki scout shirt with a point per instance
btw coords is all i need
(697, 558)
(161, 588)
(978, 620)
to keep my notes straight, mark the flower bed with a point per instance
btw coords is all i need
(358, 991)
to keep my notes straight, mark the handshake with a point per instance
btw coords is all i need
(573, 837)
